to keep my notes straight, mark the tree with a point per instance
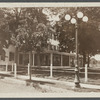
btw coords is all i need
(4, 35)
(29, 30)
(88, 33)
(88, 41)
(12, 17)
(66, 37)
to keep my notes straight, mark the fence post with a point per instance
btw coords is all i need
(12, 68)
(86, 73)
(15, 70)
(28, 69)
(6, 67)
(51, 70)
(51, 63)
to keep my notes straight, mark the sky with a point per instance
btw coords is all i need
(51, 16)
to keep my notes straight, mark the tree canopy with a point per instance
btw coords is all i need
(88, 33)
(28, 28)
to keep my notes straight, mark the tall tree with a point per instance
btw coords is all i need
(29, 30)
(88, 33)
(4, 35)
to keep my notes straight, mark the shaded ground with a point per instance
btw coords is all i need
(92, 78)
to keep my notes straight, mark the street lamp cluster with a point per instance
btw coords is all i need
(79, 15)
(75, 21)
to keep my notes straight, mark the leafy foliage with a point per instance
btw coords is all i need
(88, 33)
(66, 37)
(4, 34)
(28, 28)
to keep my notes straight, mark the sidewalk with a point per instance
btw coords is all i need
(22, 79)
(60, 82)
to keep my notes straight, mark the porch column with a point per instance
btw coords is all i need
(61, 60)
(69, 61)
(12, 67)
(82, 62)
(18, 59)
(6, 67)
(28, 69)
(51, 64)
(33, 59)
(23, 58)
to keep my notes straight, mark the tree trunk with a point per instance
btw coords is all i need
(84, 59)
(16, 55)
(30, 62)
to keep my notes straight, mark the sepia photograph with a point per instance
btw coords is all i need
(50, 49)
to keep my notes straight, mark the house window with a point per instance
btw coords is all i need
(35, 60)
(45, 59)
(72, 60)
(56, 59)
(65, 60)
(11, 56)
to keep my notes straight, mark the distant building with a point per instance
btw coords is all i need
(93, 62)
(8, 57)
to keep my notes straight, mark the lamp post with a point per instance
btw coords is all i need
(75, 21)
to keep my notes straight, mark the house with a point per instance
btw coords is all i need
(8, 56)
(51, 56)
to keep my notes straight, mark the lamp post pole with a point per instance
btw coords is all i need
(75, 21)
(77, 81)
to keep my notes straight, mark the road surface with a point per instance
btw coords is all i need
(12, 88)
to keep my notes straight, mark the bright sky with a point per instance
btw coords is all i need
(51, 17)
